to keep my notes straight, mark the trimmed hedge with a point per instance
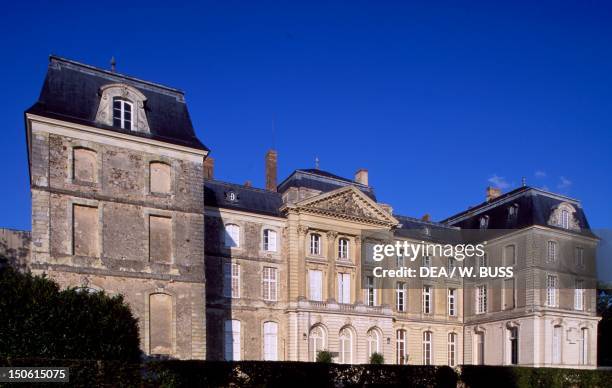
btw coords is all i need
(477, 376)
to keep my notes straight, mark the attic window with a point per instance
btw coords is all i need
(122, 113)
(484, 222)
(231, 196)
(513, 212)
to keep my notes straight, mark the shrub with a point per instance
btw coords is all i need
(39, 320)
(324, 356)
(377, 358)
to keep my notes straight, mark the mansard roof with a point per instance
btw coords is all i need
(323, 181)
(247, 199)
(71, 92)
(534, 207)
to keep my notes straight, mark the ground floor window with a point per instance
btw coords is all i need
(400, 345)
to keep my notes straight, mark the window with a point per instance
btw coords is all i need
(270, 341)
(122, 113)
(399, 261)
(481, 299)
(269, 240)
(482, 260)
(316, 342)
(579, 295)
(160, 177)
(160, 323)
(400, 347)
(552, 252)
(344, 288)
(85, 230)
(551, 290)
(231, 276)
(584, 346)
(508, 291)
(451, 265)
(452, 302)
(556, 345)
(400, 296)
(579, 256)
(484, 222)
(427, 348)
(480, 348)
(565, 219)
(315, 244)
(510, 255)
(513, 212)
(452, 349)
(84, 165)
(269, 283)
(160, 239)
(426, 299)
(232, 340)
(346, 346)
(316, 284)
(232, 236)
(373, 342)
(514, 344)
(426, 261)
(370, 291)
(343, 248)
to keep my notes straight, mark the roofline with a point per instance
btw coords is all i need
(503, 198)
(344, 180)
(418, 220)
(242, 186)
(56, 58)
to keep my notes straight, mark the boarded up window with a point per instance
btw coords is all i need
(160, 323)
(161, 180)
(84, 165)
(85, 230)
(160, 239)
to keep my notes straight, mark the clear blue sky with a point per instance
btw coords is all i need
(436, 100)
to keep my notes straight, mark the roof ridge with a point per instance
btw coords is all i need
(226, 183)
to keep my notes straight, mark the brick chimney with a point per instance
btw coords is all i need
(361, 176)
(426, 217)
(209, 166)
(271, 159)
(492, 193)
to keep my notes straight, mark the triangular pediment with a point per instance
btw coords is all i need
(348, 202)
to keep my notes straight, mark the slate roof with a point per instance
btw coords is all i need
(71, 93)
(534, 208)
(248, 199)
(425, 230)
(321, 180)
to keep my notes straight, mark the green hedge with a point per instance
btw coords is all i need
(483, 376)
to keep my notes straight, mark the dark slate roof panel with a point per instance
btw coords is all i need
(322, 181)
(71, 93)
(248, 199)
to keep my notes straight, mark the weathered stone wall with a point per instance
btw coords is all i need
(15, 247)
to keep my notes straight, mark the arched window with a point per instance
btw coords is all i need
(271, 341)
(122, 113)
(160, 323)
(400, 347)
(232, 235)
(315, 244)
(343, 248)
(160, 178)
(269, 240)
(316, 342)
(346, 346)
(373, 342)
(452, 349)
(427, 347)
(84, 165)
(232, 340)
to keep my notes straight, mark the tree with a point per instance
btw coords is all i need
(324, 356)
(604, 330)
(377, 358)
(39, 320)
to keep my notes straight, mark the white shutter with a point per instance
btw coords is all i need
(316, 282)
(270, 341)
(232, 340)
(227, 279)
(271, 240)
(345, 289)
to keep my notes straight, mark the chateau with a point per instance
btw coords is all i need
(124, 200)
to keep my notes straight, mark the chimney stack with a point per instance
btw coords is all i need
(492, 193)
(209, 166)
(426, 217)
(361, 176)
(271, 159)
(248, 184)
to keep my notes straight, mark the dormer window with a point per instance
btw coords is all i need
(513, 212)
(484, 222)
(564, 219)
(122, 113)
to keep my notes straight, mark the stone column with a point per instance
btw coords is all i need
(331, 258)
(358, 283)
(302, 275)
